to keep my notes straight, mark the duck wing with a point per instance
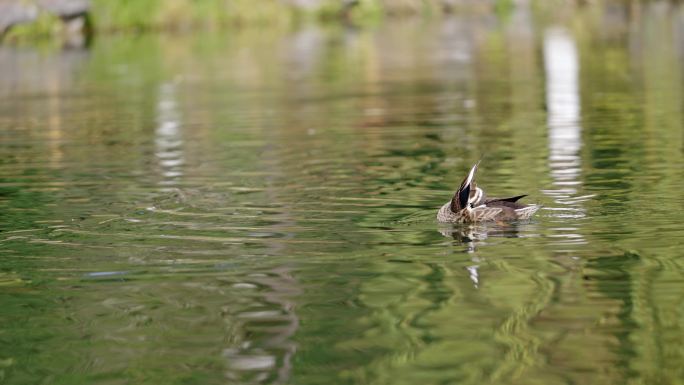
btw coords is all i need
(462, 196)
(511, 209)
(484, 213)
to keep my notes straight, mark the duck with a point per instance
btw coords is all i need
(471, 205)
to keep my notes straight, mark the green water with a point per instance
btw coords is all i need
(258, 206)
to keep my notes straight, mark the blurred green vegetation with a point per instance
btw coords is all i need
(45, 27)
(183, 14)
(179, 15)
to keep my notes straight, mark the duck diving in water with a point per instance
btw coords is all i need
(470, 205)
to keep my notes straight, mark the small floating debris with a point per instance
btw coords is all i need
(245, 285)
(104, 274)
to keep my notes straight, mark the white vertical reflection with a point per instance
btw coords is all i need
(168, 138)
(561, 65)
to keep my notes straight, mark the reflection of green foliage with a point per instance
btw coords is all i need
(173, 14)
(135, 15)
(367, 11)
(124, 14)
(46, 26)
(155, 14)
(504, 8)
(384, 301)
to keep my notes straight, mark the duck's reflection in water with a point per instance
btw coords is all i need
(475, 235)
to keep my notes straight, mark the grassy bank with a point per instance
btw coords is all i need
(158, 15)
(124, 15)
(184, 14)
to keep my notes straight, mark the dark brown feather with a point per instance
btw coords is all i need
(511, 202)
(507, 213)
(460, 199)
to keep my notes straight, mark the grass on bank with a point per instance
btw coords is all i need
(136, 15)
(153, 15)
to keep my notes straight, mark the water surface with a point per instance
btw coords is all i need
(257, 206)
